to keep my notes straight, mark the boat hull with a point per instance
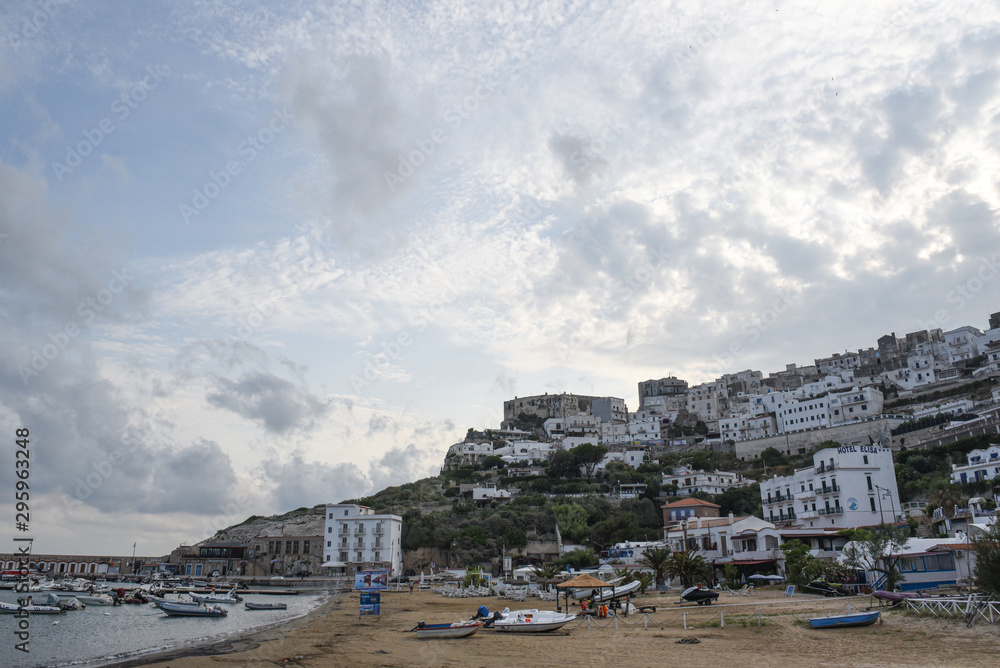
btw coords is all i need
(191, 611)
(456, 630)
(530, 621)
(266, 606)
(844, 621)
(700, 596)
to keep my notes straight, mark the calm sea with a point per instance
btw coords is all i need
(101, 634)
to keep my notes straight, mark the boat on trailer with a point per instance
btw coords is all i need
(699, 595)
(845, 621)
(454, 630)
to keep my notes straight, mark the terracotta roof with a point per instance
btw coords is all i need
(690, 502)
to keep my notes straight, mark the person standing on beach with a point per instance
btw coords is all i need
(411, 586)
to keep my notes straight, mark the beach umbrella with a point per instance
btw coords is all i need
(757, 576)
(775, 578)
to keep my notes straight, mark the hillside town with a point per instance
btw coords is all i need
(904, 434)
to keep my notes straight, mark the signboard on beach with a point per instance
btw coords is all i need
(371, 602)
(371, 580)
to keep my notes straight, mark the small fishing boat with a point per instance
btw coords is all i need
(155, 601)
(454, 630)
(250, 605)
(845, 621)
(173, 610)
(60, 601)
(699, 595)
(528, 621)
(13, 608)
(95, 599)
(618, 591)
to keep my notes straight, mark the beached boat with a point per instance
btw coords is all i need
(58, 600)
(95, 599)
(13, 608)
(845, 621)
(699, 595)
(609, 593)
(529, 621)
(173, 610)
(250, 605)
(455, 630)
(896, 596)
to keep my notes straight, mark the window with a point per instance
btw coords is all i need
(343, 557)
(331, 516)
(869, 479)
(329, 543)
(345, 513)
(305, 547)
(329, 529)
(866, 461)
(288, 547)
(295, 547)
(872, 500)
(378, 556)
(360, 558)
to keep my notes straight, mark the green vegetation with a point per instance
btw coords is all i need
(877, 551)
(690, 567)
(987, 548)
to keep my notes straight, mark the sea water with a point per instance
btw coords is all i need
(101, 634)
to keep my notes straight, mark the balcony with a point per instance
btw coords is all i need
(836, 510)
(830, 490)
(359, 531)
(808, 494)
(822, 468)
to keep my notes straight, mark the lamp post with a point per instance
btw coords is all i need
(882, 492)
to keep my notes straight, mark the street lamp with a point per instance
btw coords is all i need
(882, 492)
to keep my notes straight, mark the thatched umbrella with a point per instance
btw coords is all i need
(580, 582)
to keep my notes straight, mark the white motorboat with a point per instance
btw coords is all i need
(172, 610)
(609, 593)
(13, 608)
(229, 597)
(155, 601)
(529, 621)
(59, 600)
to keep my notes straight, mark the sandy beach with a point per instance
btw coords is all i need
(335, 635)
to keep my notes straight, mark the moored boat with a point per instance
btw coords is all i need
(454, 630)
(250, 605)
(173, 610)
(845, 621)
(229, 597)
(13, 608)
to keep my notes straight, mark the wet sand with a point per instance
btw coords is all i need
(334, 635)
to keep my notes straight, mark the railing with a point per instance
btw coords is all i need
(823, 468)
(837, 510)
(829, 490)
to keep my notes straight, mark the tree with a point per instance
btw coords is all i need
(987, 546)
(772, 457)
(562, 464)
(656, 559)
(514, 538)
(492, 462)
(578, 558)
(739, 501)
(877, 551)
(572, 520)
(800, 566)
(690, 567)
(588, 456)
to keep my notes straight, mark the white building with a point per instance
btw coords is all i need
(614, 433)
(610, 409)
(690, 480)
(961, 343)
(635, 458)
(358, 539)
(644, 426)
(525, 451)
(956, 407)
(850, 486)
(855, 404)
(982, 465)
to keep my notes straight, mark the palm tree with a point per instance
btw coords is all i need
(546, 571)
(689, 567)
(656, 559)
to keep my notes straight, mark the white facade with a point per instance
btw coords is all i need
(982, 465)
(704, 401)
(850, 486)
(614, 433)
(644, 427)
(635, 458)
(525, 451)
(919, 371)
(962, 343)
(360, 539)
(958, 407)
(856, 404)
(795, 415)
(689, 480)
(745, 427)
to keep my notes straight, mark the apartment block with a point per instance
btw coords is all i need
(358, 539)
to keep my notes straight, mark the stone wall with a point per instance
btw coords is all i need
(856, 433)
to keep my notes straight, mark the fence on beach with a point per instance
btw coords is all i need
(970, 609)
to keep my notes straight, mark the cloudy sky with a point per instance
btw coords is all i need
(256, 256)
